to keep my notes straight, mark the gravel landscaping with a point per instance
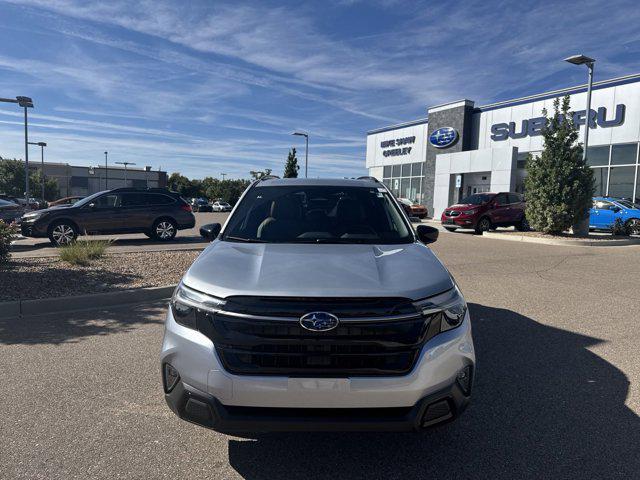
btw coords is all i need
(30, 278)
(565, 236)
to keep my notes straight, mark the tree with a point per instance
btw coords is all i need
(258, 174)
(559, 185)
(291, 167)
(12, 180)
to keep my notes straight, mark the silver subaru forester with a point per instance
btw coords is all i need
(317, 307)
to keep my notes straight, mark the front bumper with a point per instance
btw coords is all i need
(32, 229)
(462, 221)
(210, 396)
(203, 409)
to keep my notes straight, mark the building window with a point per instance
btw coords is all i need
(416, 169)
(397, 169)
(597, 156)
(600, 175)
(624, 154)
(387, 172)
(405, 181)
(621, 182)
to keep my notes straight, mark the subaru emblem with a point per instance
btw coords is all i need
(443, 137)
(319, 321)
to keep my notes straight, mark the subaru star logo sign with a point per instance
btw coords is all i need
(319, 321)
(443, 137)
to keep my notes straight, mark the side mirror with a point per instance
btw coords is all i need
(210, 230)
(616, 209)
(92, 206)
(427, 234)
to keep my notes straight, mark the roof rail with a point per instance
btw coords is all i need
(268, 177)
(143, 189)
(368, 177)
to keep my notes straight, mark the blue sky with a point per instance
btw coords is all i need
(210, 87)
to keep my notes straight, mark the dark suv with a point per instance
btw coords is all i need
(156, 212)
(486, 211)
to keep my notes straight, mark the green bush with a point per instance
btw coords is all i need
(7, 234)
(559, 185)
(83, 251)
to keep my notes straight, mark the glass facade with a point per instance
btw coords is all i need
(616, 170)
(406, 180)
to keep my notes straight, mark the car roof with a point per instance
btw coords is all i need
(321, 182)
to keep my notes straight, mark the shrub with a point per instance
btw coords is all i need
(7, 233)
(559, 184)
(620, 228)
(82, 251)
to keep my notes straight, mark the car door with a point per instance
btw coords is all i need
(159, 205)
(516, 208)
(602, 214)
(499, 212)
(135, 214)
(101, 215)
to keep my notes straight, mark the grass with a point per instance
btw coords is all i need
(83, 251)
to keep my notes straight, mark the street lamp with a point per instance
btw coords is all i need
(125, 170)
(223, 175)
(41, 145)
(24, 102)
(306, 151)
(106, 171)
(588, 61)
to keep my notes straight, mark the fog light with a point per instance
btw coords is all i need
(464, 379)
(171, 377)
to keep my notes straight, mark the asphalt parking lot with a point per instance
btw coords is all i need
(556, 332)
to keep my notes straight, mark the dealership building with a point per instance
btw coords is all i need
(460, 148)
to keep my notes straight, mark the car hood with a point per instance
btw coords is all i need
(407, 270)
(462, 206)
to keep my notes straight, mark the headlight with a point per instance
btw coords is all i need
(450, 305)
(469, 212)
(186, 302)
(32, 217)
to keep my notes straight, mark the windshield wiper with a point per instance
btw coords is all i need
(241, 239)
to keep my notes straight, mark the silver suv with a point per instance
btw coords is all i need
(317, 307)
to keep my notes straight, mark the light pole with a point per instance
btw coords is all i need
(41, 145)
(106, 171)
(223, 175)
(588, 61)
(125, 170)
(581, 227)
(306, 150)
(24, 102)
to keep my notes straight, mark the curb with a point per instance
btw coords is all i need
(22, 308)
(614, 242)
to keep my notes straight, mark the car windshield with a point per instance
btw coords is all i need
(476, 199)
(88, 200)
(628, 204)
(317, 214)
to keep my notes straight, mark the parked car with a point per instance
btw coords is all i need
(201, 205)
(606, 210)
(415, 209)
(486, 211)
(221, 207)
(317, 307)
(66, 201)
(156, 212)
(10, 211)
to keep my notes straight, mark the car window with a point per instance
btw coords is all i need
(318, 214)
(514, 198)
(158, 199)
(107, 201)
(501, 199)
(603, 205)
(4, 203)
(476, 199)
(133, 200)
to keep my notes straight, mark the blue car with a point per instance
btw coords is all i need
(606, 210)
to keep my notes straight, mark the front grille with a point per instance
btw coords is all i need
(274, 343)
(452, 213)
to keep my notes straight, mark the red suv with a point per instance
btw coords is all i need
(486, 211)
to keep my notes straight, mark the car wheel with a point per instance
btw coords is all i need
(449, 229)
(523, 225)
(483, 225)
(633, 226)
(62, 233)
(164, 229)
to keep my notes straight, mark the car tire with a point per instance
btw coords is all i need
(483, 225)
(449, 229)
(523, 225)
(164, 229)
(62, 233)
(633, 226)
